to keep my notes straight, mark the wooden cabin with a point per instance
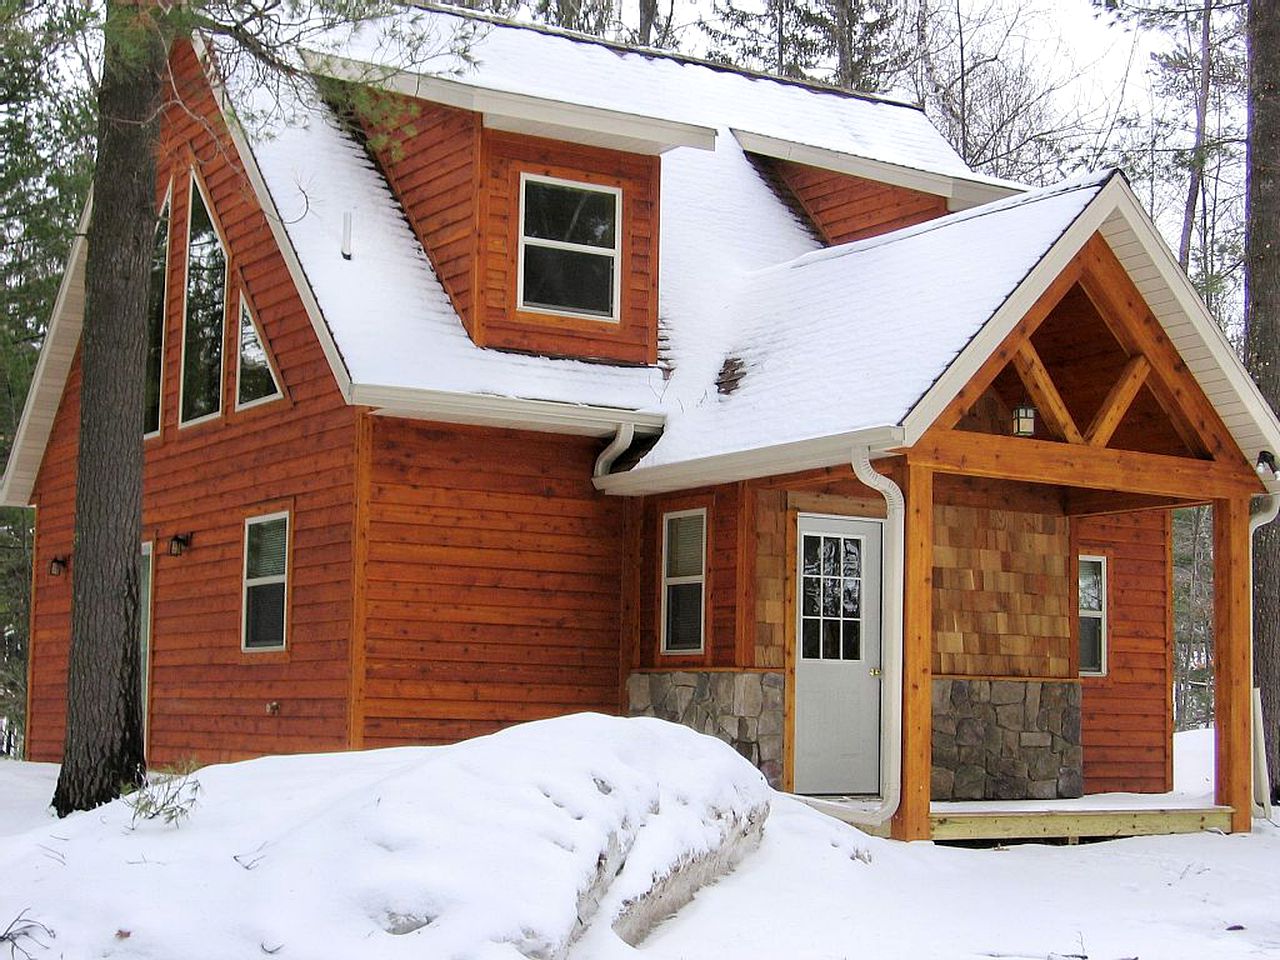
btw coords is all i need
(586, 378)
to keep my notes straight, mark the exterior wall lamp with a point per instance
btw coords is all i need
(1024, 420)
(1266, 467)
(58, 566)
(178, 544)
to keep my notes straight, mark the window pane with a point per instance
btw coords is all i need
(810, 648)
(684, 616)
(852, 598)
(831, 556)
(830, 639)
(852, 558)
(684, 545)
(811, 605)
(812, 555)
(155, 323)
(256, 379)
(264, 616)
(831, 598)
(267, 545)
(1091, 644)
(851, 632)
(568, 280)
(202, 336)
(556, 212)
(1091, 585)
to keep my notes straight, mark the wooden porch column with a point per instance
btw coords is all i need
(1231, 579)
(912, 819)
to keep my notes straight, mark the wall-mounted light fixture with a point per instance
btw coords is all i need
(58, 566)
(1266, 467)
(1024, 420)
(178, 544)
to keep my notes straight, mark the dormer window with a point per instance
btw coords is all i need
(570, 245)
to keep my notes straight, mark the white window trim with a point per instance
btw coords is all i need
(258, 581)
(244, 308)
(1096, 614)
(616, 252)
(675, 581)
(196, 184)
(164, 302)
(148, 551)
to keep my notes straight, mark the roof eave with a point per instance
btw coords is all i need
(524, 113)
(811, 454)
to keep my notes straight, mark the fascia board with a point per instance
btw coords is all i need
(53, 366)
(748, 464)
(1015, 307)
(508, 412)
(960, 192)
(522, 113)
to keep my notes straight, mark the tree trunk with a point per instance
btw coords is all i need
(843, 24)
(648, 17)
(1195, 177)
(104, 748)
(1262, 336)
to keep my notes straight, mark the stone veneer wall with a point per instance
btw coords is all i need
(1006, 740)
(742, 709)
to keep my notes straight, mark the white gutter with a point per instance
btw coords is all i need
(1268, 509)
(893, 592)
(514, 413)
(617, 446)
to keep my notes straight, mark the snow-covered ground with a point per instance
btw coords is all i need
(486, 849)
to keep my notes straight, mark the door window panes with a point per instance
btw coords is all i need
(831, 597)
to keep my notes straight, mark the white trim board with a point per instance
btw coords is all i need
(523, 113)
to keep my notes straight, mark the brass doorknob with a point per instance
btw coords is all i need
(874, 671)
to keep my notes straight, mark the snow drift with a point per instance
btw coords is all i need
(501, 847)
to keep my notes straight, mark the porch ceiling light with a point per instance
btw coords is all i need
(1266, 467)
(58, 566)
(1024, 420)
(178, 544)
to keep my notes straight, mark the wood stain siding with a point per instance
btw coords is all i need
(430, 155)
(633, 338)
(846, 208)
(493, 582)
(208, 699)
(1127, 716)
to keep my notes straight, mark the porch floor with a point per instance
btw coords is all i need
(1094, 815)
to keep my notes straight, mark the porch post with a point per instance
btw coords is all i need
(912, 819)
(1231, 578)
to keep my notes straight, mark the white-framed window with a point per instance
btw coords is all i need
(266, 582)
(255, 376)
(684, 580)
(570, 248)
(156, 310)
(1093, 615)
(204, 313)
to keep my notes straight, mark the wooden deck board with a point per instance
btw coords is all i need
(1028, 825)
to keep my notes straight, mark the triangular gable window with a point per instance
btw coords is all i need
(155, 322)
(255, 377)
(202, 332)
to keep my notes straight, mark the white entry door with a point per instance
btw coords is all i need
(837, 657)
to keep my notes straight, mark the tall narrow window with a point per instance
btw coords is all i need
(1093, 615)
(206, 309)
(255, 380)
(569, 247)
(266, 569)
(155, 323)
(684, 552)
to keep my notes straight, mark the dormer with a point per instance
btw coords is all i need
(546, 244)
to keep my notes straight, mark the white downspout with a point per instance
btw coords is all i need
(622, 438)
(1268, 509)
(892, 592)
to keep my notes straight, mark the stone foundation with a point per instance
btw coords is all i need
(1006, 740)
(742, 709)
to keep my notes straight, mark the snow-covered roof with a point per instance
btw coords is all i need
(865, 341)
